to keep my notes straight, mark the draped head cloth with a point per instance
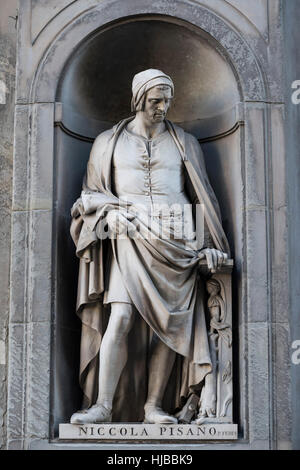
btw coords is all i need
(144, 81)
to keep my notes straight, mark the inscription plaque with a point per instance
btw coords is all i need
(141, 432)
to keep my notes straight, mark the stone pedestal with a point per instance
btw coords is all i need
(148, 432)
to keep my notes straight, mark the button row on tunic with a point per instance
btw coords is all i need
(147, 169)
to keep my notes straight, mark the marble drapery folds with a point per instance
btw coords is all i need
(163, 285)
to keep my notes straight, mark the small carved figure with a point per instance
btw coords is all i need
(216, 307)
(218, 330)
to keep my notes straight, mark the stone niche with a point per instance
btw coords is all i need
(94, 93)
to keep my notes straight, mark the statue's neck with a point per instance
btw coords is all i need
(141, 126)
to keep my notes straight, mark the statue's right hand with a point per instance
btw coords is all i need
(215, 258)
(118, 222)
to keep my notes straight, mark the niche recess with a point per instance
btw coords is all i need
(95, 92)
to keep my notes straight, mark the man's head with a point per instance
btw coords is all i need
(152, 91)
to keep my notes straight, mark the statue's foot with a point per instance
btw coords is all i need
(155, 415)
(200, 420)
(95, 414)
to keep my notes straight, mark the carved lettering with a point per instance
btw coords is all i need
(83, 430)
(144, 432)
(111, 431)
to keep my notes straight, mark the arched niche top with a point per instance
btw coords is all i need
(230, 43)
(96, 82)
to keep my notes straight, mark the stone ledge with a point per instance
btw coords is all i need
(142, 432)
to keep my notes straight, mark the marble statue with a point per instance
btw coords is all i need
(140, 298)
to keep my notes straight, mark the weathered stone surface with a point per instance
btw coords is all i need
(255, 155)
(292, 145)
(41, 164)
(39, 266)
(282, 386)
(18, 266)
(257, 280)
(280, 274)
(3, 349)
(8, 38)
(15, 444)
(278, 164)
(31, 266)
(240, 368)
(262, 27)
(43, 444)
(258, 15)
(5, 218)
(275, 53)
(20, 173)
(38, 399)
(258, 388)
(280, 217)
(16, 382)
(3, 394)
(28, 407)
(42, 13)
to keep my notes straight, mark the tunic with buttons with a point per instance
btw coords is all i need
(150, 175)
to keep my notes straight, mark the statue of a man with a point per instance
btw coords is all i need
(144, 272)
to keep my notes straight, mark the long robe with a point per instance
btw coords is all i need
(157, 263)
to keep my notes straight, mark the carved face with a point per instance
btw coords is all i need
(212, 288)
(157, 103)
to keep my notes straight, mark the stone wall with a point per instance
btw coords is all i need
(292, 69)
(8, 39)
(268, 303)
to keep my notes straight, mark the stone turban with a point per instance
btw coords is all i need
(144, 81)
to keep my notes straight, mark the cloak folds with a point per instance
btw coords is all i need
(163, 284)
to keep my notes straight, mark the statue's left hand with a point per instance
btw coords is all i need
(214, 258)
(77, 208)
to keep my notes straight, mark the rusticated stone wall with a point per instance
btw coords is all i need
(8, 40)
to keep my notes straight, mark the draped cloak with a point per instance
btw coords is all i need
(144, 265)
